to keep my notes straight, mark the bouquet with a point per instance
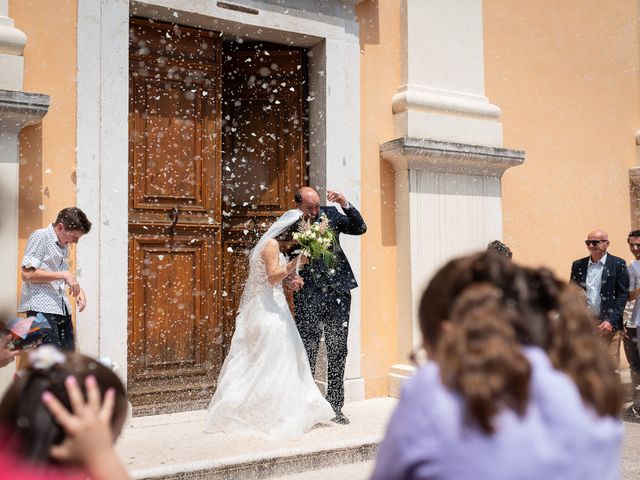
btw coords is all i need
(317, 241)
(27, 332)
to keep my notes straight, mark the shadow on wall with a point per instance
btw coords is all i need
(370, 28)
(368, 17)
(388, 204)
(634, 198)
(32, 189)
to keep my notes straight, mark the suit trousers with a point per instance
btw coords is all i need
(326, 310)
(630, 343)
(612, 342)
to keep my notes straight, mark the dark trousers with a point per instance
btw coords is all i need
(630, 343)
(328, 310)
(61, 334)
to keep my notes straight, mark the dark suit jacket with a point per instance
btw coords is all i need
(614, 288)
(342, 278)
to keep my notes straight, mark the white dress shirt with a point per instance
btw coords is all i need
(594, 282)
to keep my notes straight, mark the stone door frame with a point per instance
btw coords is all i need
(102, 142)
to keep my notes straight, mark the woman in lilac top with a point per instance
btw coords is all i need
(519, 386)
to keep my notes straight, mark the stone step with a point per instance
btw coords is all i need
(353, 471)
(173, 446)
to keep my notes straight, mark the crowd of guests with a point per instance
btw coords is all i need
(611, 288)
(520, 381)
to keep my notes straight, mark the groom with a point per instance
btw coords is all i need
(324, 299)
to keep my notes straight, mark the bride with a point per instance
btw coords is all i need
(265, 386)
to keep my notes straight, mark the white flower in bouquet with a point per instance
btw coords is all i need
(317, 240)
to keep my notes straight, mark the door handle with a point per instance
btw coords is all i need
(174, 213)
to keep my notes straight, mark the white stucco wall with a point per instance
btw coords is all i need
(327, 29)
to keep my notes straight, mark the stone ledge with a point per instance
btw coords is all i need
(408, 153)
(20, 109)
(244, 468)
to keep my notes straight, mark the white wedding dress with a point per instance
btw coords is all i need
(265, 387)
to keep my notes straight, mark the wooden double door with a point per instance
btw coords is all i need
(217, 134)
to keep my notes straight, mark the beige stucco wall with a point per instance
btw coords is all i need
(380, 78)
(47, 151)
(565, 75)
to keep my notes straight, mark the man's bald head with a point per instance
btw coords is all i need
(308, 202)
(597, 243)
(598, 235)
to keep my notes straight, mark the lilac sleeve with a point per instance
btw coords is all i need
(410, 448)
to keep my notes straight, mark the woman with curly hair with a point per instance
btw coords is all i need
(517, 385)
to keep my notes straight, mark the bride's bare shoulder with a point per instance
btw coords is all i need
(271, 246)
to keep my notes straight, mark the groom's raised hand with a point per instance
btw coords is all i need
(337, 197)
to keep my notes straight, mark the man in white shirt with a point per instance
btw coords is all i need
(46, 275)
(605, 280)
(632, 321)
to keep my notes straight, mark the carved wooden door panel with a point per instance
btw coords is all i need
(174, 216)
(264, 153)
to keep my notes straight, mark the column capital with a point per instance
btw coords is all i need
(21, 109)
(408, 153)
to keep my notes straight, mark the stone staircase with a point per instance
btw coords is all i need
(173, 446)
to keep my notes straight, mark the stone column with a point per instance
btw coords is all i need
(17, 110)
(447, 153)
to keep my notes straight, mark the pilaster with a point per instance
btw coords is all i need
(18, 109)
(446, 154)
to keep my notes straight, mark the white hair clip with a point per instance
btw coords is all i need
(107, 362)
(45, 357)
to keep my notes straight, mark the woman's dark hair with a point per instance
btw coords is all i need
(492, 307)
(499, 248)
(482, 358)
(26, 424)
(73, 219)
(450, 281)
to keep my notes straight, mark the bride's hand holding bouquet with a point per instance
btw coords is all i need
(316, 241)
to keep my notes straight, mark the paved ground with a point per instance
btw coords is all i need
(630, 452)
(165, 445)
(168, 444)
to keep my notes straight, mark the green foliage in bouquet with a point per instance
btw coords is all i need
(317, 241)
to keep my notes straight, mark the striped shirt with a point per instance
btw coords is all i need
(44, 253)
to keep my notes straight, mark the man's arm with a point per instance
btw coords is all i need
(35, 275)
(351, 223)
(620, 295)
(575, 272)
